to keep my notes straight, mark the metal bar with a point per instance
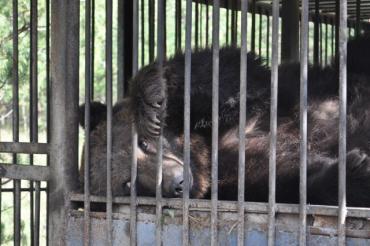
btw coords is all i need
(268, 38)
(242, 119)
(290, 31)
(88, 94)
(273, 122)
(320, 42)
(260, 33)
(342, 211)
(151, 24)
(133, 195)
(337, 14)
(358, 18)
(35, 222)
(178, 30)
(253, 28)
(122, 63)
(160, 59)
(37, 213)
(92, 51)
(187, 88)
(326, 42)
(142, 29)
(227, 21)
(303, 123)
(29, 148)
(109, 100)
(47, 45)
(22, 189)
(316, 34)
(232, 206)
(207, 21)
(234, 15)
(196, 24)
(24, 172)
(15, 125)
(215, 115)
(64, 114)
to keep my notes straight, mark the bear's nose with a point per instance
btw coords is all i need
(178, 185)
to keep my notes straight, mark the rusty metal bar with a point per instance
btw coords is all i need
(88, 95)
(109, 101)
(215, 116)
(342, 211)
(242, 119)
(29, 148)
(160, 60)
(24, 172)
(303, 123)
(64, 114)
(133, 195)
(273, 122)
(253, 28)
(187, 88)
(232, 206)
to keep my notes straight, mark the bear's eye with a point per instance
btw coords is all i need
(143, 145)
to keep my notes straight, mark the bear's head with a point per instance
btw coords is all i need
(173, 161)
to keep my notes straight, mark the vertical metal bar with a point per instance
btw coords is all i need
(227, 21)
(160, 59)
(207, 22)
(34, 207)
(151, 29)
(17, 204)
(242, 120)
(215, 95)
(92, 50)
(15, 124)
(342, 212)
(201, 25)
(320, 42)
(121, 45)
(268, 39)
(64, 114)
(253, 29)
(142, 41)
(47, 45)
(108, 81)
(273, 121)
(234, 15)
(358, 18)
(133, 195)
(187, 88)
(178, 29)
(316, 34)
(337, 16)
(303, 123)
(196, 31)
(88, 54)
(326, 41)
(260, 33)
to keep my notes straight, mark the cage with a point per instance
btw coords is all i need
(59, 54)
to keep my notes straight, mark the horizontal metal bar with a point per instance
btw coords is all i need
(232, 206)
(28, 148)
(14, 171)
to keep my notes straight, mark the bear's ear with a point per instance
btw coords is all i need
(98, 113)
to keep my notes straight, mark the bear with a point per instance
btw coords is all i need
(157, 101)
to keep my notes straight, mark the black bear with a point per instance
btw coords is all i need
(158, 101)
